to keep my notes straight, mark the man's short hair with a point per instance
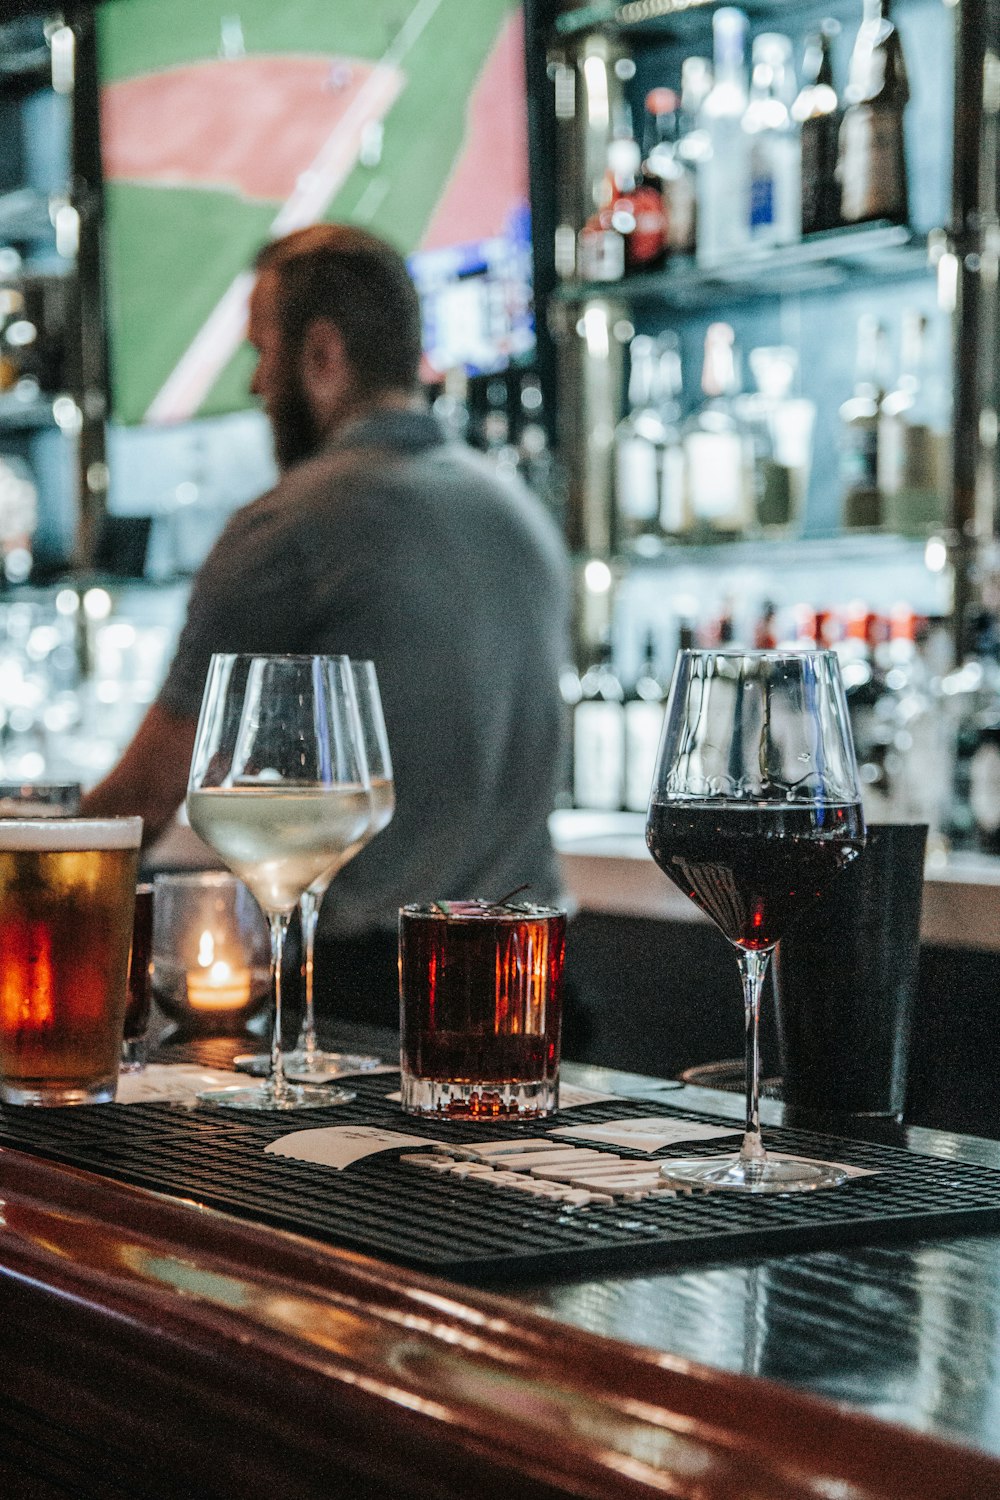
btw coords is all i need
(362, 285)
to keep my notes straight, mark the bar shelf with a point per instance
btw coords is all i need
(862, 253)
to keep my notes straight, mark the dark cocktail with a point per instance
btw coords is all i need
(481, 1008)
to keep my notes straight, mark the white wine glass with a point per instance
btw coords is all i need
(755, 808)
(308, 1060)
(279, 788)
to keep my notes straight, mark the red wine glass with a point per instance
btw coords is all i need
(755, 808)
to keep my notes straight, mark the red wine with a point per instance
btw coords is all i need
(754, 869)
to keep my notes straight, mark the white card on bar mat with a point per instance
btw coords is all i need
(572, 1096)
(645, 1132)
(339, 1145)
(176, 1083)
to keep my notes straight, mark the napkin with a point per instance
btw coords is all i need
(176, 1083)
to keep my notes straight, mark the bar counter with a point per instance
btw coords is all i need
(609, 870)
(154, 1346)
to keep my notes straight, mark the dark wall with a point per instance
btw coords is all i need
(657, 997)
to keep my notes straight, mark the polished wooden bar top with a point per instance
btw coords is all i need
(908, 1332)
(155, 1347)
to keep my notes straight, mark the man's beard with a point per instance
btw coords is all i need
(295, 433)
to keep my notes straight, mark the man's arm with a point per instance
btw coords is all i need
(151, 778)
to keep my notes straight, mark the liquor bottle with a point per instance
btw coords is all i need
(675, 514)
(600, 247)
(913, 439)
(781, 426)
(724, 176)
(644, 709)
(912, 728)
(863, 687)
(599, 736)
(971, 694)
(859, 418)
(718, 451)
(665, 165)
(649, 464)
(693, 148)
(570, 691)
(637, 209)
(534, 456)
(871, 165)
(817, 111)
(765, 631)
(775, 157)
(495, 433)
(451, 407)
(639, 439)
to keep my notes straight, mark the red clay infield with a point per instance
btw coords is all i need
(491, 177)
(250, 124)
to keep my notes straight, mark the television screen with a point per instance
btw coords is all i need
(222, 127)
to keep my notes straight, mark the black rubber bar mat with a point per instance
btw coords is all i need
(478, 1233)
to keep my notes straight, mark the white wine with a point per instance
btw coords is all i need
(280, 839)
(383, 805)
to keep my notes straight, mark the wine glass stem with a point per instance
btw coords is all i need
(309, 913)
(278, 923)
(753, 967)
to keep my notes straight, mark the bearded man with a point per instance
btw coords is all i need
(382, 540)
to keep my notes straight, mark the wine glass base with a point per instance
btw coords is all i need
(769, 1175)
(308, 1067)
(264, 1097)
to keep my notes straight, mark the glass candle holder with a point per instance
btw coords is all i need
(210, 953)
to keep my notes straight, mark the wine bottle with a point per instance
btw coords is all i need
(599, 735)
(913, 439)
(644, 710)
(859, 417)
(718, 451)
(871, 166)
(818, 113)
(665, 165)
(637, 210)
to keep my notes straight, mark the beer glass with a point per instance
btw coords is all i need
(279, 788)
(754, 809)
(67, 896)
(140, 983)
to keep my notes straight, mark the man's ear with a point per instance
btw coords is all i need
(324, 360)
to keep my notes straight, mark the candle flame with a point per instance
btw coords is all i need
(206, 950)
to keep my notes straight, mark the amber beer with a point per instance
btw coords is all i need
(67, 895)
(481, 1008)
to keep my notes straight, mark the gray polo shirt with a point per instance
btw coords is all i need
(398, 545)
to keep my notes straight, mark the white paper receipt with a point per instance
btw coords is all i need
(175, 1083)
(339, 1145)
(645, 1132)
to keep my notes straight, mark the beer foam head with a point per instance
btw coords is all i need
(59, 835)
